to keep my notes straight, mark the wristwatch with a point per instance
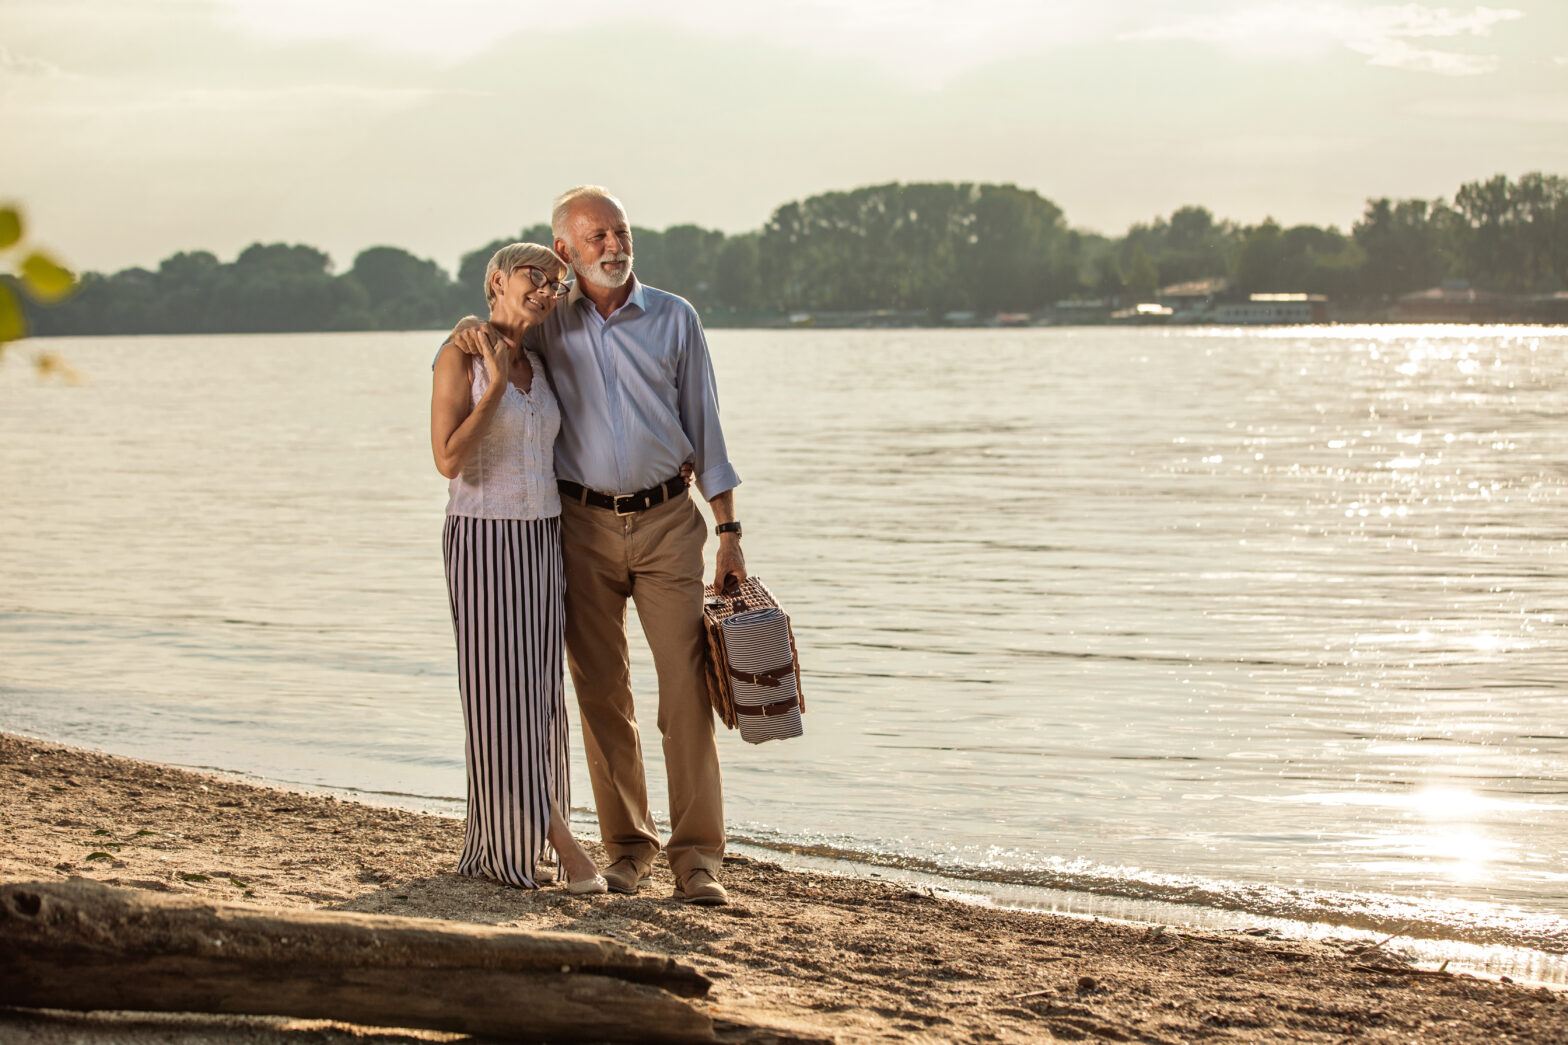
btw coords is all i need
(729, 527)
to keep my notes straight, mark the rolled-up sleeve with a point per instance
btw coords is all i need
(699, 406)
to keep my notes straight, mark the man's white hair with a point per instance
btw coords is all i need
(565, 201)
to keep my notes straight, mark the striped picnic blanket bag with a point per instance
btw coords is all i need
(753, 666)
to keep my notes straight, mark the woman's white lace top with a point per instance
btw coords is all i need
(511, 473)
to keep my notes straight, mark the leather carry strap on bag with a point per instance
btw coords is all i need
(753, 663)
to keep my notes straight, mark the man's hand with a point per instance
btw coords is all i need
(469, 336)
(731, 561)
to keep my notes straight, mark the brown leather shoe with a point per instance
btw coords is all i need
(700, 887)
(625, 875)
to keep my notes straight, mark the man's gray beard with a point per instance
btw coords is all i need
(596, 275)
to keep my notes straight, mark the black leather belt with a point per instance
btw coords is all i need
(623, 503)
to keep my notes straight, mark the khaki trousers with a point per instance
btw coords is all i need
(654, 558)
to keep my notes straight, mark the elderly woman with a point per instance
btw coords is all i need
(493, 422)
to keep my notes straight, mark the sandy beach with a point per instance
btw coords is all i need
(816, 957)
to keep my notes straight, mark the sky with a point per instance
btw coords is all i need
(132, 129)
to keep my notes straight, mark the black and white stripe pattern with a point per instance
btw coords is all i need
(757, 641)
(504, 580)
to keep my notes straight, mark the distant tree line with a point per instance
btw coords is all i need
(1496, 234)
(933, 247)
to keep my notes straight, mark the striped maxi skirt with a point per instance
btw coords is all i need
(504, 580)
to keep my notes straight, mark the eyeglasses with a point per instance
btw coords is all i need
(542, 281)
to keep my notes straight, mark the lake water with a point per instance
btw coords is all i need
(1269, 622)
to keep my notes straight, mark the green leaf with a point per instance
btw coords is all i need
(192, 877)
(100, 831)
(99, 856)
(10, 226)
(13, 325)
(47, 280)
(142, 832)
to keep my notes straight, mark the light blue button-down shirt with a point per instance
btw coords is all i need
(637, 393)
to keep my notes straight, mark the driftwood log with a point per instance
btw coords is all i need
(83, 946)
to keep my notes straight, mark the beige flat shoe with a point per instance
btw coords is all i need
(587, 886)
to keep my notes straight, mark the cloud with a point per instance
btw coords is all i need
(1397, 54)
(1382, 34)
(925, 42)
(20, 66)
(1419, 21)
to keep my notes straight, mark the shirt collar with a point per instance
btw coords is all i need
(638, 297)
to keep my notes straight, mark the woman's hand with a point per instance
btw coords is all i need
(497, 354)
(457, 423)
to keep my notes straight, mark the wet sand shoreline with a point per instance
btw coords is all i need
(820, 957)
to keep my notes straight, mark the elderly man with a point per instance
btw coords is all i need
(630, 366)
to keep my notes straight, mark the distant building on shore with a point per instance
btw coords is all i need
(1212, 302)
(1075, 312)
(1149, 313)
(1190, 302)
(1270, 309)
(1205, 301)
(1455, 301)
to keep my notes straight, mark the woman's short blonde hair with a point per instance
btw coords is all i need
(514, 256)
